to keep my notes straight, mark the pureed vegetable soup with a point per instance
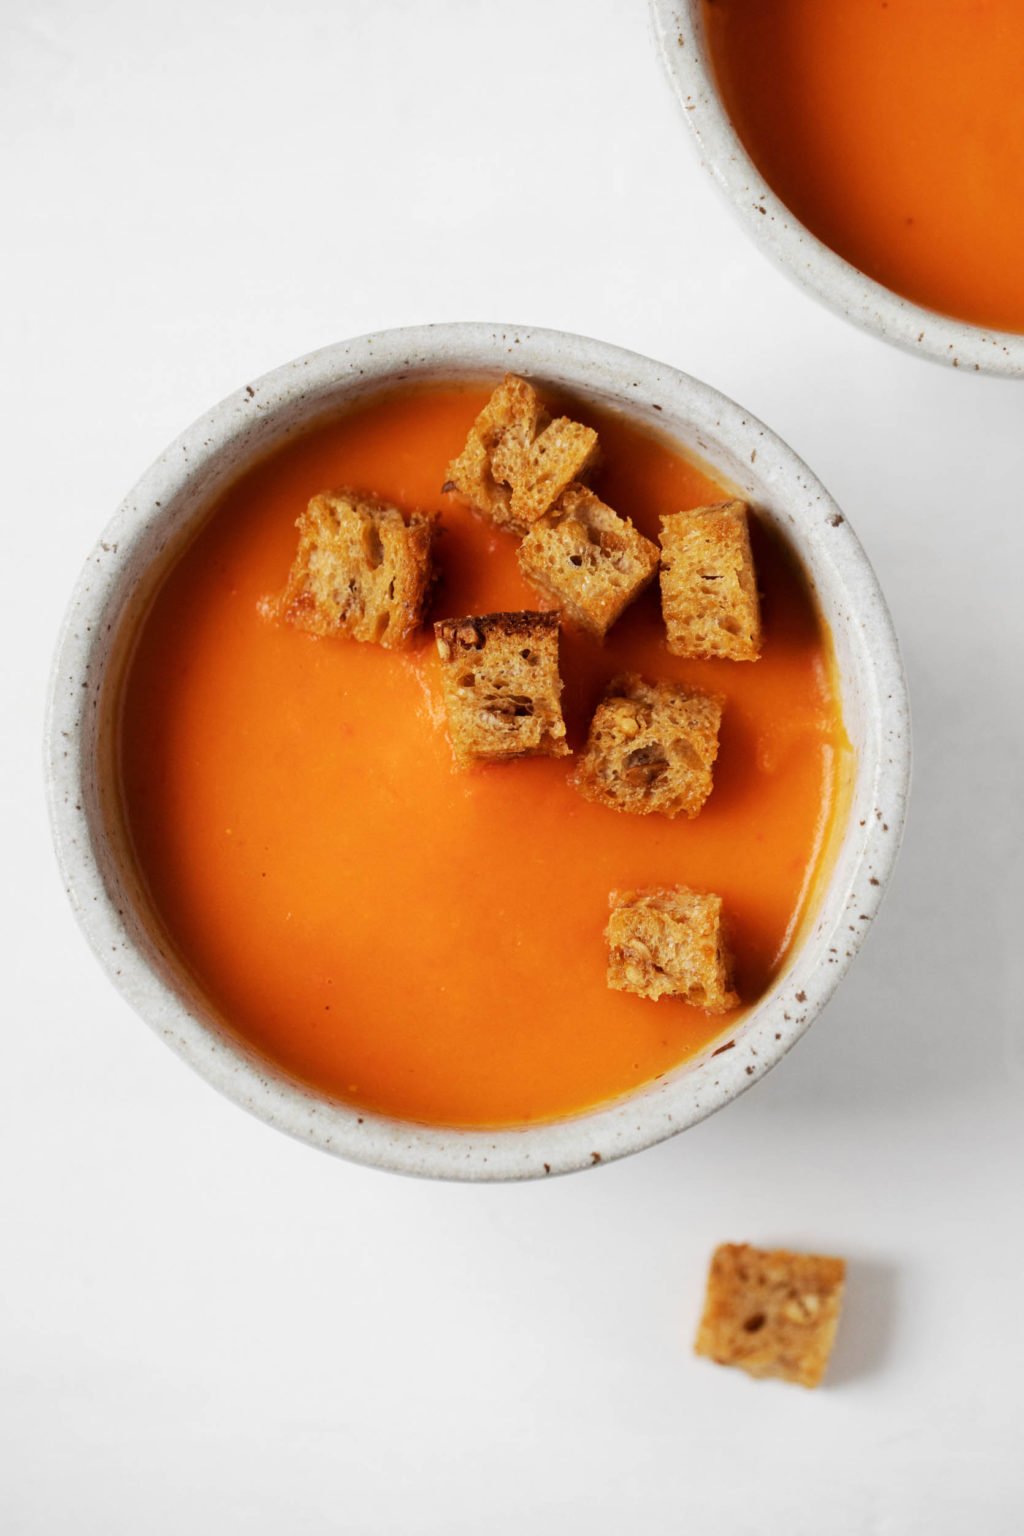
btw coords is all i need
(419, 941)
(894, 129)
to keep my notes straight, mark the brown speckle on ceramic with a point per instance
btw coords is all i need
(159, 516)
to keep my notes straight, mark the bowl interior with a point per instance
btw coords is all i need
(173, 499)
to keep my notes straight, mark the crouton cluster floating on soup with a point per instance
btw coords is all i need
(366, 572)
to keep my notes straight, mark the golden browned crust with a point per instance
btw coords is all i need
(589, 559)
(772, 1313)
(708, 585)
(360, 569)
(517, 461)
(651, 748)
(667, 942)
(502, 687)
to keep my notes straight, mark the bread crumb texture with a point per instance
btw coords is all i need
(589, 559)
(360, 569)
(708, 584)
(517, 460)
(651, 748)
(667, 942)
(502, 688)
(772, 1313)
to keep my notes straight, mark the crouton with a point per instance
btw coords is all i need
(651, 747)
(668, 942)
(502, 686)
(360, 569)
(517, 461)
(772, 1314)
(708, 586)
(589, 559)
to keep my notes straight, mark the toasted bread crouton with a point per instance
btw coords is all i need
(708, 586)
(772, 1314)
(651, 747)
(360, 569)
(667, 942)
(502, 686)
(589, 559)
(517, 461)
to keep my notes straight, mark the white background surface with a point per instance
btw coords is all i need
(209, 1328)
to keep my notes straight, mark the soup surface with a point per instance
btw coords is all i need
(894, 129)
(402, 936)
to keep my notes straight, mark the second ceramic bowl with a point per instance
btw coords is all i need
(679, 30)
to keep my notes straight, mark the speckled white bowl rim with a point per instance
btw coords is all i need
(171, 496)
(679, 31)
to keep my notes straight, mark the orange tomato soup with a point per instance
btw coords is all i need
(402, 936)
(894, 129)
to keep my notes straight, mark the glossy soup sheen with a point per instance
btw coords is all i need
(894, 129)
(402, 936)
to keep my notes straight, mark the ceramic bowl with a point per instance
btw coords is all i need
(679, 30)
(176, 493)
